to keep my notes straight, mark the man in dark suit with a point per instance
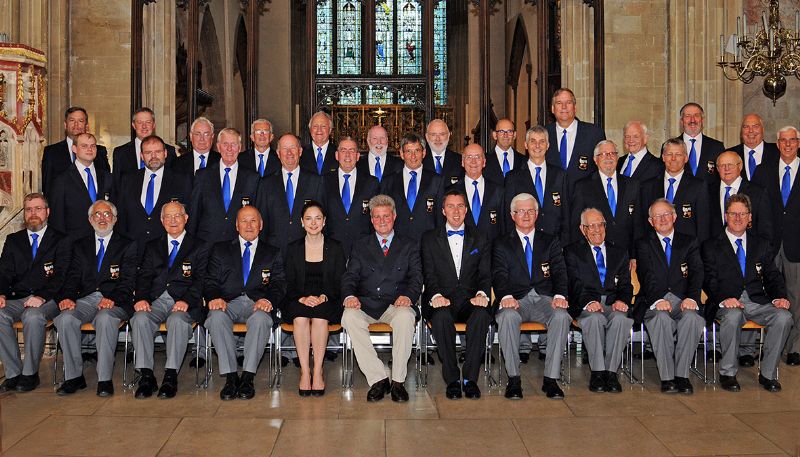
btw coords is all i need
(485, 197)
(743, 283)
(98, 289)
(571, 140)
(33, 266)
(702, 150)
(347, 193)
(260, 158)
(670, 273)
(220, 190)
(504, 159)
(128, 157)
(318, 157)
(382, 282)
(245, 283)
(530, 284)
(753, 150)
(730, 181)
(688, 194)
(601, 292)
(282, 195)
(74, 190)
(377, 162)
(58, 157)
(456, 262)
(638, 163)
(416, 190)
(169, 289)
(201, 134)
(442, 160)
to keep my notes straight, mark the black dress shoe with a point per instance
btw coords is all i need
(597, 382)
(378, 390)
(669, 387)
(746, 361)
(9, 384)
(27, 383)
(247, 389)
(524, 357)
(105, 388)
(551, 389)
(147, 386)
(331, 356)
(304, 392)
(793, 359)
(453, 391)
(197, 363)
(284, 361)
(430, 360)
(231, 387)
(70, 386)
(399, 394)
(729, 383)
(169, 386)
(612, 383)
(771, 385)
(683, 385)
(317, 392)
(514, 388)
(471, 390)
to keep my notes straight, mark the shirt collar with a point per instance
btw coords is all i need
(736, 184)
(317, 146)
(253, 244)
(265, 152)
(449, 227)
(179, 239)
(687, 138)
(352, 174)
(40, 233)
(406, 170)
(732, 238)
(388, 238)
(105, 238)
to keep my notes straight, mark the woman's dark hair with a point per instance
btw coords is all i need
(313, 204)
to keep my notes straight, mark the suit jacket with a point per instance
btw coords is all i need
(707, 163)
(308, 160)
(57, 158)
(762, 224)
(451, 166)
(225, 280)
(650, 167)
(21, 275)
(208, 219)
(785, 220)
(124, 160)
(184, 281)
(69, 201)
(281, 227)
(440, 271)
(581, 164)
(683, 276)
(690, 200)
(247, 159)
(427, 212)
(116, 278)
(554, 211)
(584, 280)
(184, 163)
(723, 278)
(348, 227)
(494, 169)
(771, 153)
(393, 165)
(493, 218)
(333, 267)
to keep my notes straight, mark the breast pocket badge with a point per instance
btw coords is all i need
(759, 270)
(113, 270)
(493, 217)
(546, 270)
(429, 204)
(583, 163)
(686, 209)
(453, 180)
(265, 276)
(49, 270)
(186, 269)
(364, 206)
(711, 168)
(616, 279)
(630, 209)
(106, 196)
(556, 199)
(685, 270)
(245, 201)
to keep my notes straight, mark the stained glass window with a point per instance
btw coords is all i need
(384, 37)
(440, 53)
(325, 37)
(348, 27)
(409, 37)
(379, 96)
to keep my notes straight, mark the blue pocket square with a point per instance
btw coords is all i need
(474, 251)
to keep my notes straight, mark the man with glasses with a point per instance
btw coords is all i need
(260, 158)
(730, 182)
(442, 160)
(753, 150)
(128, 157)
(505, 159)
(201, 135)
(318, 157)
(702, 150)
(638, 163)
(485, 197)
(377, 162)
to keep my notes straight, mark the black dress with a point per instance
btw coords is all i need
(313, 278)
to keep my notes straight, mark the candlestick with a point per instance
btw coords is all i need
(738, 25)
(722, 48)
(744, 21)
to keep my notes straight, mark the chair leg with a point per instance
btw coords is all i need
(714, 349)
(125, 357)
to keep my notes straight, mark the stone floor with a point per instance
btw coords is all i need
(640, 421)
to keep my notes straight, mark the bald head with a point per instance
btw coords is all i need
(752, 130)
(473, 159)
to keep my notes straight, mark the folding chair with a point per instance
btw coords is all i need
(88, 327)
(528, 327)
(461, 327)
(275, 382)
(240, 329)
(162, 328)
(749, 325)
(380, 328)
(47, 327)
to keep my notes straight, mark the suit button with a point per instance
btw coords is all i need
(378, 289)
(147, 232)
(226, 218)
(97, 289)
(347, 219)
(411, 218)
(167, 284)
(149, 218)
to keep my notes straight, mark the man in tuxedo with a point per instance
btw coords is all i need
(530, 284)
(98, 289)
(505, 158)
(456, 261)
(753, 150)
(416, 189)
(201, 134)
(638, 163)
(442, 160)
(382, 282)
(485, 197)
(77, 188)
(688, 194)
(169, 289)
(571, 141)
(377, 162)
(245, 283)
(220, 190)
(318, 157)
(33, 266)
(128, 157)
(730, 181)
(282, 195)
(347, 193)
(702, 150)
(670, 273)
(260, 158)
(743, 283)
(58, 157)
(601, 292)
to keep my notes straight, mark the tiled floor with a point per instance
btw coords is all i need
(640, 421)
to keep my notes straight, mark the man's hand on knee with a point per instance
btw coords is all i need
(217, 304)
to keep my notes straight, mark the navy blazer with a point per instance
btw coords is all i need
(771, 153)
(247, 159)
(208, 219)
(21, 275)
(69, 201)
(57, 158)
(451, 165)
(308, 160)
(393, 165)
(125, 160)
(427, 212)
(554, 211)
(494, 216)
(690, 200)
(584, 279)
(184, 164)
(349, 227)
(650, 167)
(494, 168)
(281, 227)
(581, 163)
(762, 224)
(707, 163)
(785, 219)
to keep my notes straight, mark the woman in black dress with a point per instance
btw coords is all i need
(314, 267)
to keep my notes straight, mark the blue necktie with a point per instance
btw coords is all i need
(438, 164)
(378, 172)
(411, 194)
(667, 249)
(693, 158)
(246, 261)
(476, 203)
(319, 161)
(629, 168)
(261, 165)
(100, 254)
(786, 184)
(34, 245)
(529, 256)
(727, 196)
(289, 192)
(601, 264)
(537, 183)
(506, 165)
(141, 163)
(751, 162)
(671, 190)
(455, 232)
(149, 199)
(740, 255)
(90, 185)
(563, 150)
(346, 194)
(202, 162)
(612, 199)
(226, 189)
(173, 253)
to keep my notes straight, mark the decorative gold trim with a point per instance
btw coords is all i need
(23, 52)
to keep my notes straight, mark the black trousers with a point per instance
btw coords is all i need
(443, 326)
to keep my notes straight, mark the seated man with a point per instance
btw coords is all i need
(754, 291)
(383, 280)
(32, 269)
(169, 289)
(671, 277)
(244, 284)
(456, 261)
(98, 289)
(530, 283)
(601, 290)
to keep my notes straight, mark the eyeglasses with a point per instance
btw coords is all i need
(725, 166)
(594, 227)
(525, 212)
(438, 134)
(662, 216)
(174, 217)
(102, 214)
(202, 134)
(504, 132)
(741, 215)
(262, 132)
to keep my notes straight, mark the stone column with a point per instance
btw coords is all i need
(577, 55)
(159, 76)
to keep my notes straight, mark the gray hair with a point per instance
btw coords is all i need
(537, 129)
(318, 113)
(640, 123)
(201, 119)
(110, 205)
(259, 121)
(589, 210)
(183, 207)
(523, 197)
(673, 142)
(411, 138)
(381, 200)
(603, 143)
(230, 131)
(786, 129)
(660, 200)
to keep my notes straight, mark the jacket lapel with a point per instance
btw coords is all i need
(444, 246)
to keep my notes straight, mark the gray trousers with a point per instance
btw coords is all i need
(791, 272)
(533, 308)
(673, 359)
(220, 326)
(145, 326)
(605, 334)
(33, 323)
(777, 321)
(68, 323)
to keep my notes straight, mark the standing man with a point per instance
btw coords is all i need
(753, 150)
(128, 157)
(485, 197)
(318, 157)
(201, 134)
(260, 158)
(730, 182)
(505, 159)
(442, 160)
(638, 163)
(33, 266)
(702, 150)
(377, 162)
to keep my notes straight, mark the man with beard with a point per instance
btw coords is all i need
(128, 157)
(377, 162)
(442, 160)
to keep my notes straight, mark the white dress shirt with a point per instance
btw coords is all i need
(316, 150)
(256, 153)
(156, 185)
(137, 146)
(637, 159)
(179, 239)
(614, 185)
(456, 243)
(371, 162)
(69, 148)
(231, 175)
(792, 171)
(735, 185)
(698, 144)
(542, 175)
(105, 239)
(197, 159)
(594, 255)
(38, 240)
(499, 154)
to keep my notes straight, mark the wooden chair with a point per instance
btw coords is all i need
(275, 382)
